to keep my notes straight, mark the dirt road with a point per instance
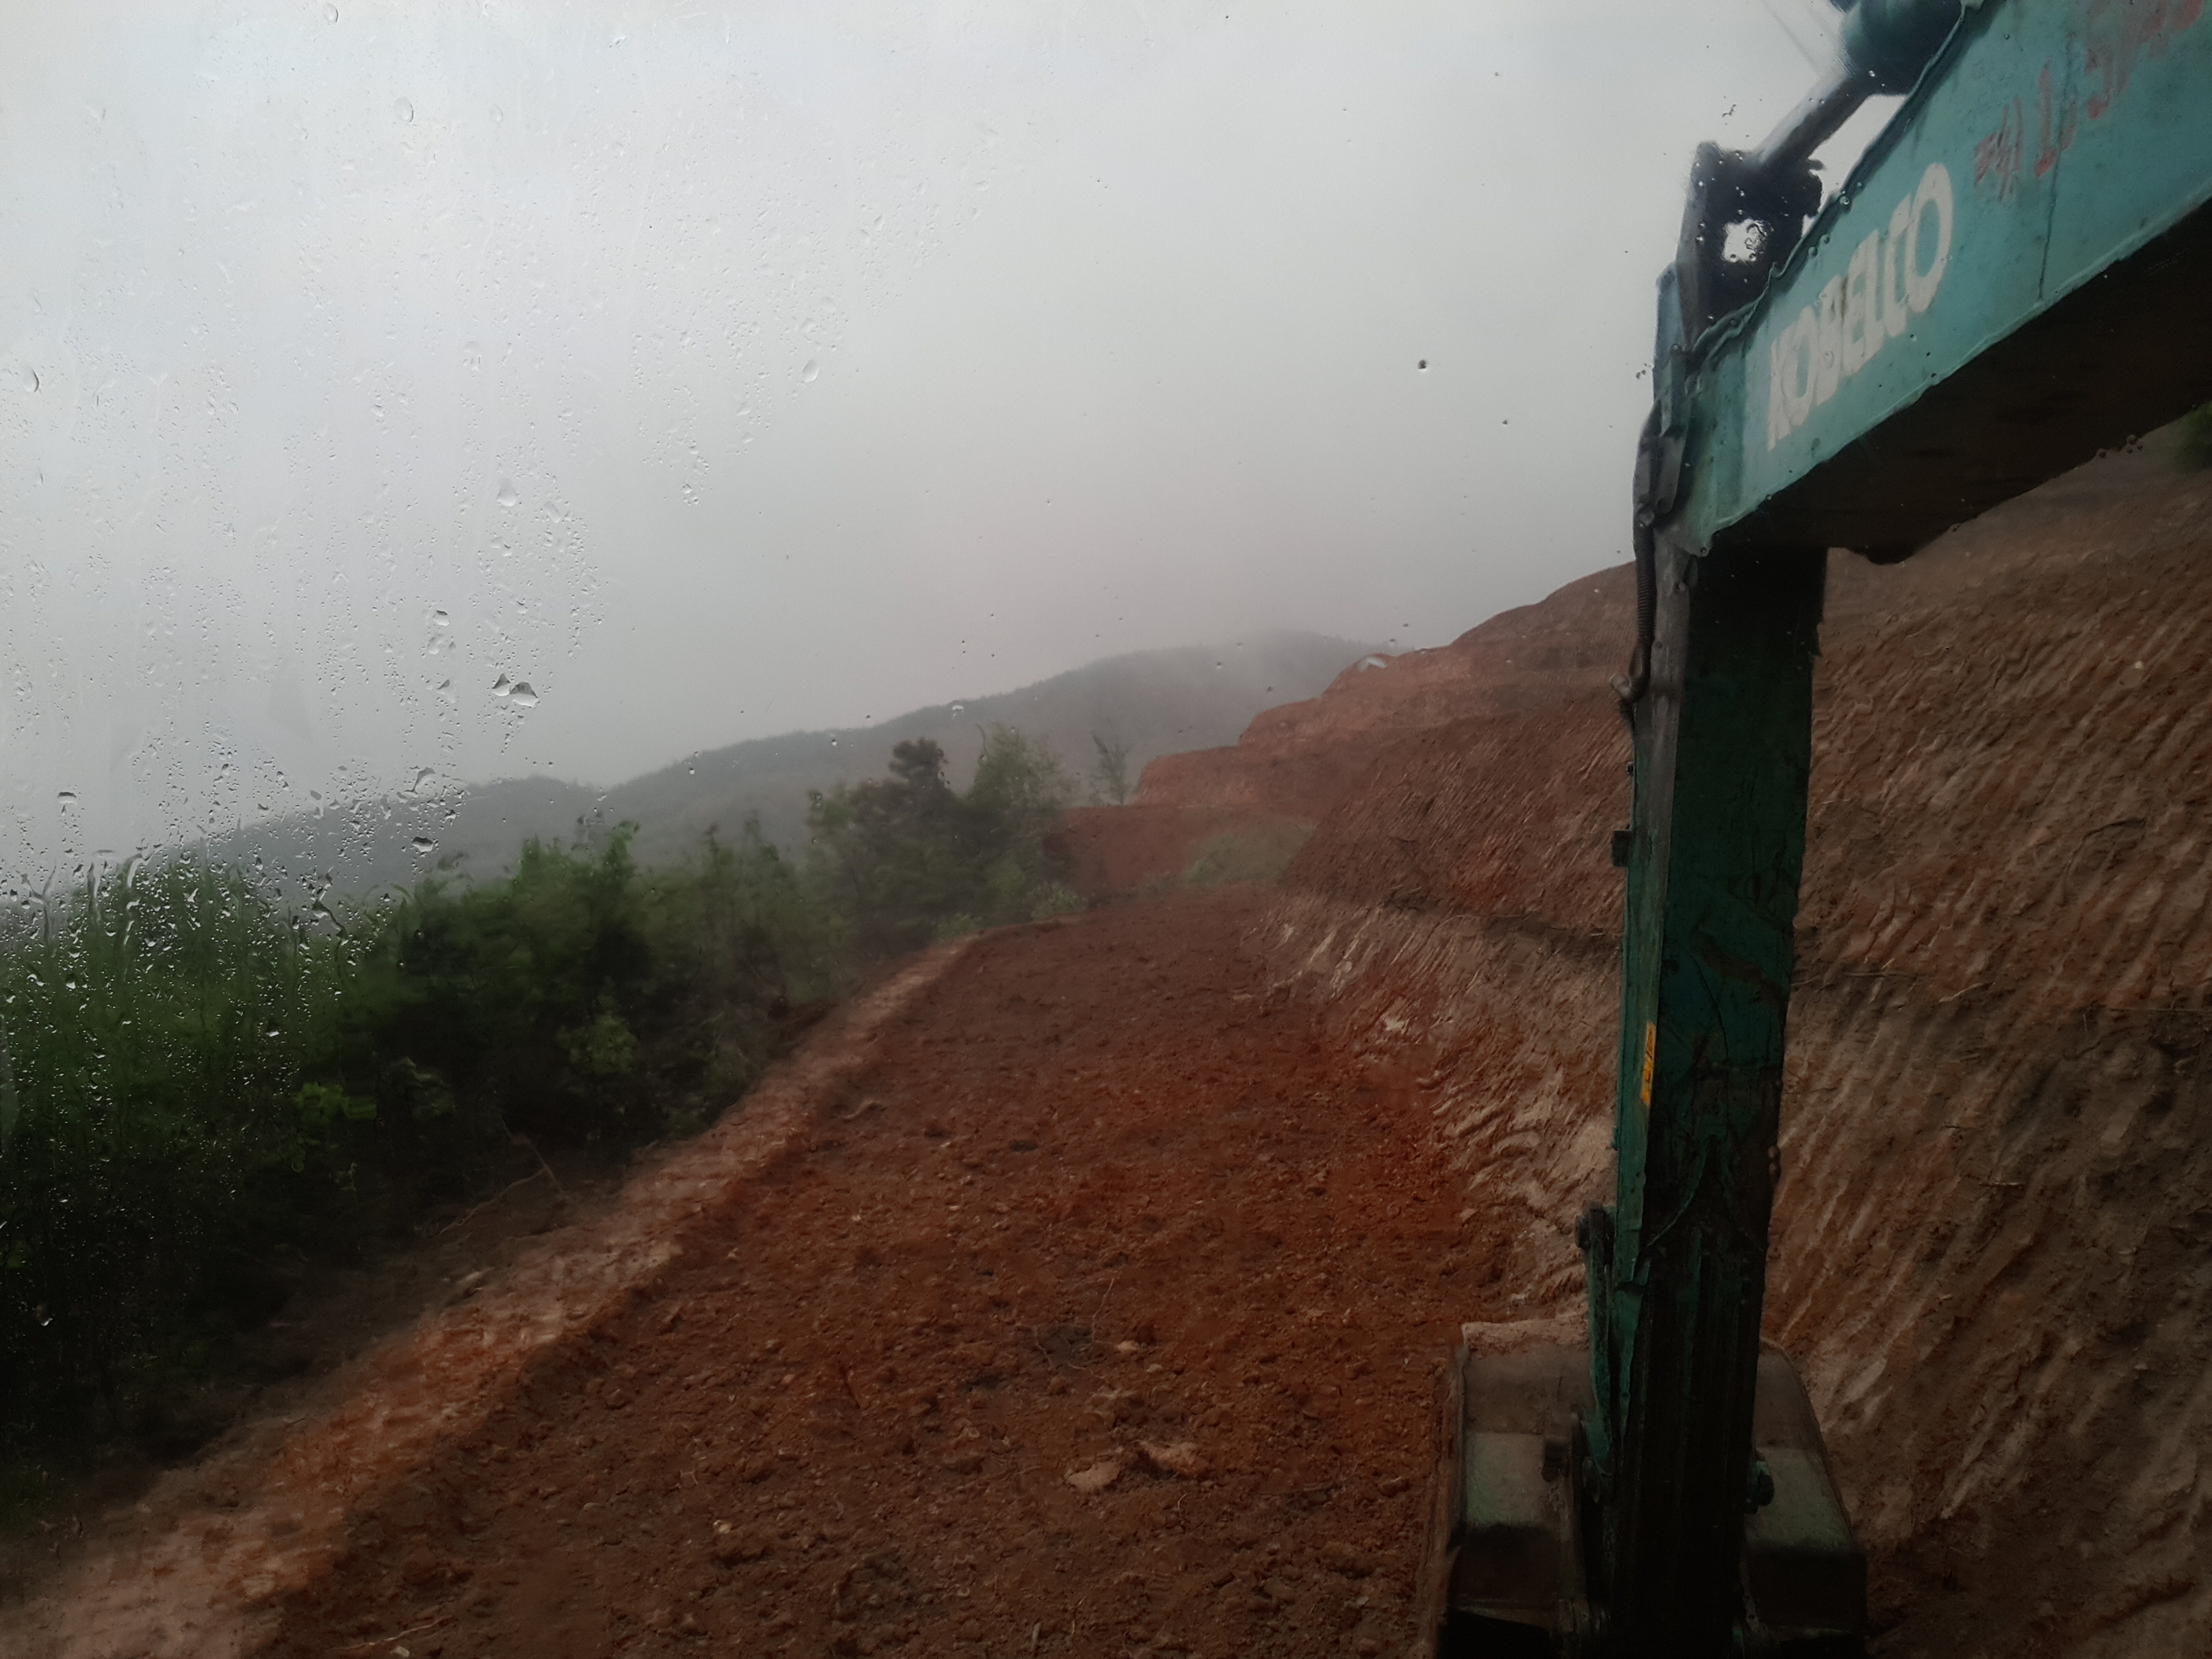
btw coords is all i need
(1094, 1313)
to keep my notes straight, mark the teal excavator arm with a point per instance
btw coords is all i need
(2013, 277)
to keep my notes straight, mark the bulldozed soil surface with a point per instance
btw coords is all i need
(1086, 1302)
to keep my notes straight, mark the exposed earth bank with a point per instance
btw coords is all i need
(1993, 1245)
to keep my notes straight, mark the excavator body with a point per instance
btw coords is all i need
(2011, 279)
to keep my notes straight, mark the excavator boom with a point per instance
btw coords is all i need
(2011, 279)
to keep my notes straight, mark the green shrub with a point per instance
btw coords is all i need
(1110, 776)
(511, 992)
(903, 861)
(199, 1085)
(739, 943)
(157, 1024)
(203, 1083)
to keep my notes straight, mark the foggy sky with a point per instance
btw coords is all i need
(720, 370)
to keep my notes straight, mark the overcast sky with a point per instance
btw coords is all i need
(723, 369)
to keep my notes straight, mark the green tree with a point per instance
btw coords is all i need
(202, 1083)
(903, 860)
(887, 852)
(1018, 790)
(1109, 778)
(744, 946)
(510, 991)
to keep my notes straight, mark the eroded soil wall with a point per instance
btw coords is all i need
(1994, 1238)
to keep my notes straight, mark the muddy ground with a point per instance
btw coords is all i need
(1092, 1310)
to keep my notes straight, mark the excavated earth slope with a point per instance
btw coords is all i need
(1295, 761)
(1993, 1237)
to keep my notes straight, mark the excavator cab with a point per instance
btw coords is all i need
(1967, 315)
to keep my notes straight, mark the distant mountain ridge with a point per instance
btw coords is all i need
(1156, 702)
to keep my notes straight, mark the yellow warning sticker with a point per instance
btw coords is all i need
(1650, 1048)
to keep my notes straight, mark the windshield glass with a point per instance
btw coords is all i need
(553, 559)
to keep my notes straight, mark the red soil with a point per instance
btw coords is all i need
(1126, 849)
(1299, 760)
(1100, 1203)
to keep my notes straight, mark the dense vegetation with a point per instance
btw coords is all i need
(203, 1079)
(904, 860)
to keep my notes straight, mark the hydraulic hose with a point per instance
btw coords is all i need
(1629, 688)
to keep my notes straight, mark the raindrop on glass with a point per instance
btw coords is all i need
(813, 367)
(67, 798)
(506, 497)
(27, 377)
(330, 11)
(423, 844)
(403, 110)
(523, 695)
(502, 686)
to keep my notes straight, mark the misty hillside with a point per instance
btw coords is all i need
(1155, 702)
